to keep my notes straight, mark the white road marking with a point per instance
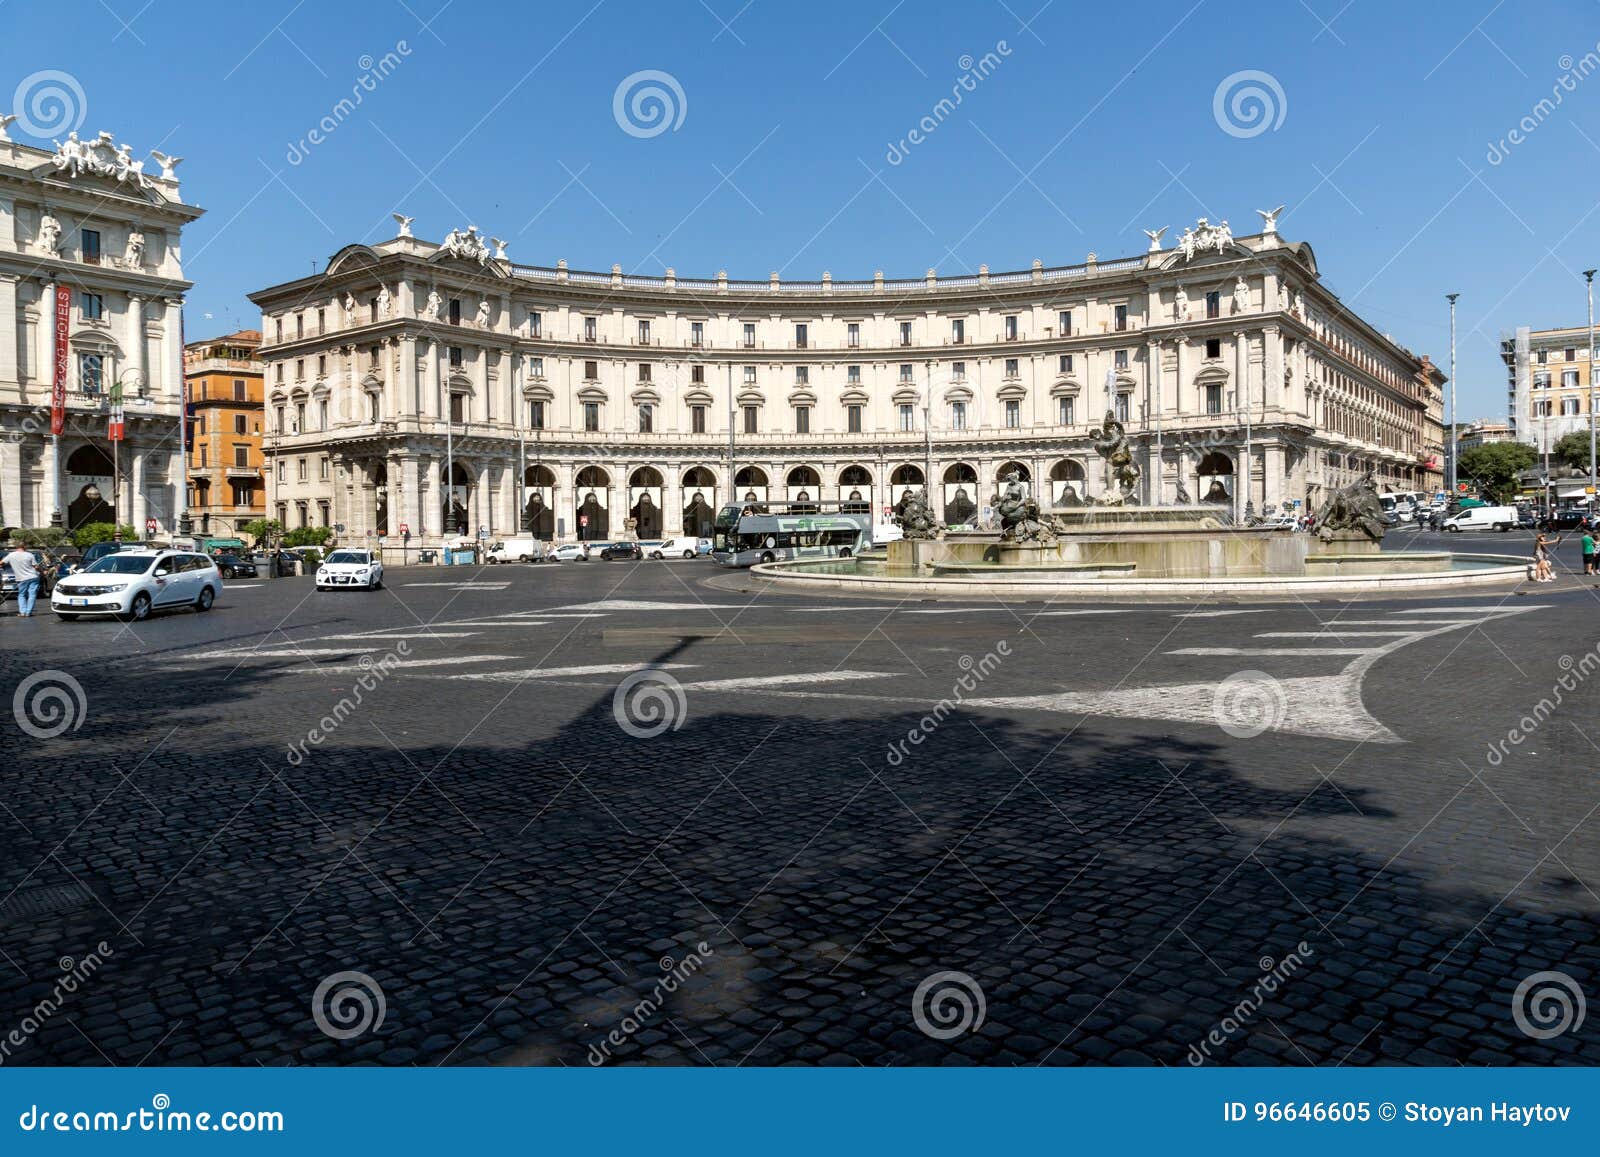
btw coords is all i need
(463, 586)
(388, 636)
(288, 651)
(227, 586)
(1269, 651)
(1470, 608)
(757, 683)
(1215, 614)
(1331, 633)
(1408, 622)
(566, 672)
(643, 605)
(404, 665)
(500, 623)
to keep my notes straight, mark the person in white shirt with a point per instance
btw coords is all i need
(25, 569)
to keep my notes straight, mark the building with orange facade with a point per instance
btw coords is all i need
(224, 378)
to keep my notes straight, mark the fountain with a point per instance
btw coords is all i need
(1115, 546)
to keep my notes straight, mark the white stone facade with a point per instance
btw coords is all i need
(86, 217)
(609, 396)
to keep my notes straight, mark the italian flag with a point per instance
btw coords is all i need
(115, 429)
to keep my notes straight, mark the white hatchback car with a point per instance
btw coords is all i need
(571, 552)
(133, 583)
(350, 568)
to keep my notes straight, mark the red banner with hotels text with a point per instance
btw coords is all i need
(58, 384)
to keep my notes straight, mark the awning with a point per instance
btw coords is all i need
(1572, 490)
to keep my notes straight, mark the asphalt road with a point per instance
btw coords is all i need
(632, 813)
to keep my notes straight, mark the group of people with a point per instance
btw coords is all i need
(1544, 571)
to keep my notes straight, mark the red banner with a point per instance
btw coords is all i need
(58, 385)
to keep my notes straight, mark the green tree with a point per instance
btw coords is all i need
(90, 533)
(42, 536)
(307, 536)
(262, 529)
(1573, 450)
(1494, 467)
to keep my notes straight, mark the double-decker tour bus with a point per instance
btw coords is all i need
(752, 532)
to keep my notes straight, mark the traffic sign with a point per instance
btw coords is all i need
(583, 520)
(405, 528)
(1462, 487)
(149, 526)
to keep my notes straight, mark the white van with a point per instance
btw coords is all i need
(1482, 518)
(676, 548)
(517, 550)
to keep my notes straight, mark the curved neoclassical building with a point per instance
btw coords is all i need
(421, 387)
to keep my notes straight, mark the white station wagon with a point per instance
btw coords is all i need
(350, 568)
(133, 583)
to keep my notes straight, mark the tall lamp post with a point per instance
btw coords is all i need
(927, 437)
(1450, 482)
(1588, 286)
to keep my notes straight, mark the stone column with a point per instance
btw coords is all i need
(138, 505)
(10, 483)
(672, 500)
(430, 382)
(1245, 396)
(1272, 368)
(136, 353)
(406, 405)
(51, 482)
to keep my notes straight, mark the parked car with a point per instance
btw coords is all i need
(516, 550)
(236, 565)
(47, 576)
(99, 550)
(135, 583)
(1500, 518)
(1526, 519)
(621, 550)
(349, 567)
(571, 552)
(680, 548)
(1571, 519)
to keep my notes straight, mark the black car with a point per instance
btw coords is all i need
(627, 550)
(1565, 520)
(99, 550)
(231, 565)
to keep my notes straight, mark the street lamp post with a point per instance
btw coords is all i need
(1450, 482)
(927, 437)
(1588, 286)
(733, 486)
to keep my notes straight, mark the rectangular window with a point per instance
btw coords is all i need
(749, 335)
(322, 468)
(300, 369)
(90, 371)
(1011, 368)
(536, 415)
(1572, 354)
(801, 335)
(1213, 347)
(697, 333)
(277, 329)
(1119, 359)
(238, 424)
(1119, 317)
(1541, 380)
(749, 375)
(301, 470)
(1214, 304)
(280, 476)
(322, 510)
(1013, 413)
(802, 419)
(647, 418)
(802, 375)
(1066, 411)
(243, 494)
(958, 415)
(455, 311)
(958, 331)
(644, 371)
(906, 372)
(1544, 356)
(1214, 399)
(536, 367)
(277, 416)
(1569, 407)
(591, 329)
(697, 375)
(92, 306)
(1011, 327)
(852, 419)
(278, 371)
(299, 325)
(203, 456)
(455, 357)
(536, 325)
(1064, 322)
(908, 417)
(905, 333)
(852, 336)
(591, 417)
(1569, 379)
(644, 332)
(322, 320)
(697, 419)
(1065, 364)
(1122, 407)
(852, 375)
(89, 239)
(591, 371)
(458, 409)
(958, 371)
(750, 423)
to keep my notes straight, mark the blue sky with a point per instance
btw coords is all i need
(1093, 122)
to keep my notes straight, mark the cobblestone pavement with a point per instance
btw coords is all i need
(452, 789)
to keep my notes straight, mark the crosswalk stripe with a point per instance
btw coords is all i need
(391, 636)
(567, 672)
(404, 665)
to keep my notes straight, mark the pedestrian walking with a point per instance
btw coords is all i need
(25, 569)
(1588, 551)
